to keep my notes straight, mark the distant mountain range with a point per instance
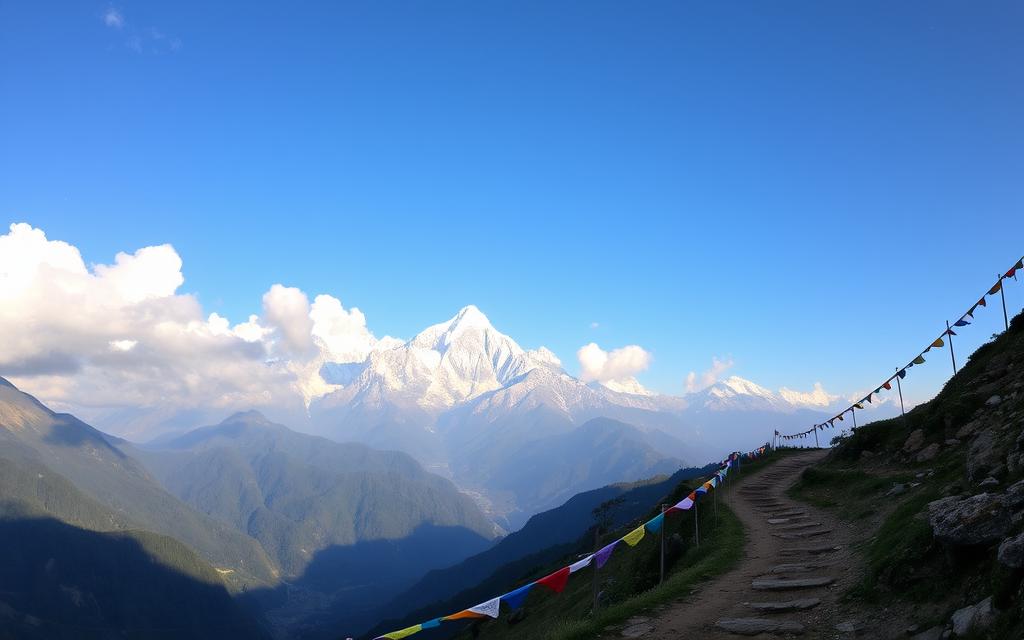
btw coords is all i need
(471, 404)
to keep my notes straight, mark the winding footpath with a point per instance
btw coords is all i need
(796, 564)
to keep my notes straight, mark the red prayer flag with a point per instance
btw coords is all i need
(995, 288)
(557, 580)
(887, 385)
(981, 303)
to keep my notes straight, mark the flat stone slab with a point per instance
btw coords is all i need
(787, 514)
(637, 627)
(781, 584)
(785, 520)
(805, 567)
(788, 605)
(797, 535)
(797, 525)
(754, 626)
(825, 548)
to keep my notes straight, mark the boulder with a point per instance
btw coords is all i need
(960, 521)
(1014, 496)
(973, 617)
(967, 429)
(993, 401)
(988, 482)
(982, 455)
(914, 442)
(928, 453)
(1011, 552)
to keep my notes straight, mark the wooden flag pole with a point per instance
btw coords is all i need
(853, 412)
(949, 336)
(816, 445)
(696, 527)
(597, 547)
(899, 388)
(1002, 296)
(662, 578)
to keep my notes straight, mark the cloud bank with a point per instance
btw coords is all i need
(118, 335)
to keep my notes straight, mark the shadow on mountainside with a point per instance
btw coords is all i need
(345, 586)
(59, 581)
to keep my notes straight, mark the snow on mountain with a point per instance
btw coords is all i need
(444, 365)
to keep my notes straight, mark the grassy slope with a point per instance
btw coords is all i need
(629, 581)
(906, 568)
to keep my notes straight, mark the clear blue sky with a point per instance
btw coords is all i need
(808, 187)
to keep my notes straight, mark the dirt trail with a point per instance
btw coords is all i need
(796, 563)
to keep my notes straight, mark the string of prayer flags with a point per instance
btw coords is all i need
(487, 609)
(938, 343)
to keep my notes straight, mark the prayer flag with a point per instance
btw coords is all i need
(938, 343)
(919, 360)
(581, 564)
(515, 599)
(634, 536)
(902, 373)
(995, 288)
(654, 524)
(601, 557)
(961, 323)
(556, 581)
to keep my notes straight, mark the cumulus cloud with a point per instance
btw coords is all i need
(695, 382)
(618, 365)
(816, 397)
(121, 335)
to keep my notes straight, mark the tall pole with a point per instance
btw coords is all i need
(949, 336)
(715, 498)
(816, 445)
(899, 388)
(853, 412)
(662, 578)
(1002, 295)
(696, 527)
(597, 547)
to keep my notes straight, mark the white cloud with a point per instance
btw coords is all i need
(120, 335)
(113, 18)
(595, 325)
(617, 365)
(695, 382)
(816, 397)
(286, 309)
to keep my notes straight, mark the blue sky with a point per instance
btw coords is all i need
(807, 188)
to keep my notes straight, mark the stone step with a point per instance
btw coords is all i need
(785, 520)
(754, 626)
(788, 513)
(805, 567)
(796, 525)
(783, 607)
(815, 550)
(783, 584)
(797, 535)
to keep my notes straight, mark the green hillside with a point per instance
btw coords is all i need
(90, 576)
(940, 498)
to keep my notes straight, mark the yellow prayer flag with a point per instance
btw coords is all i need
(634, 536)
(919, 360)
(938, 343)
(403, 633)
